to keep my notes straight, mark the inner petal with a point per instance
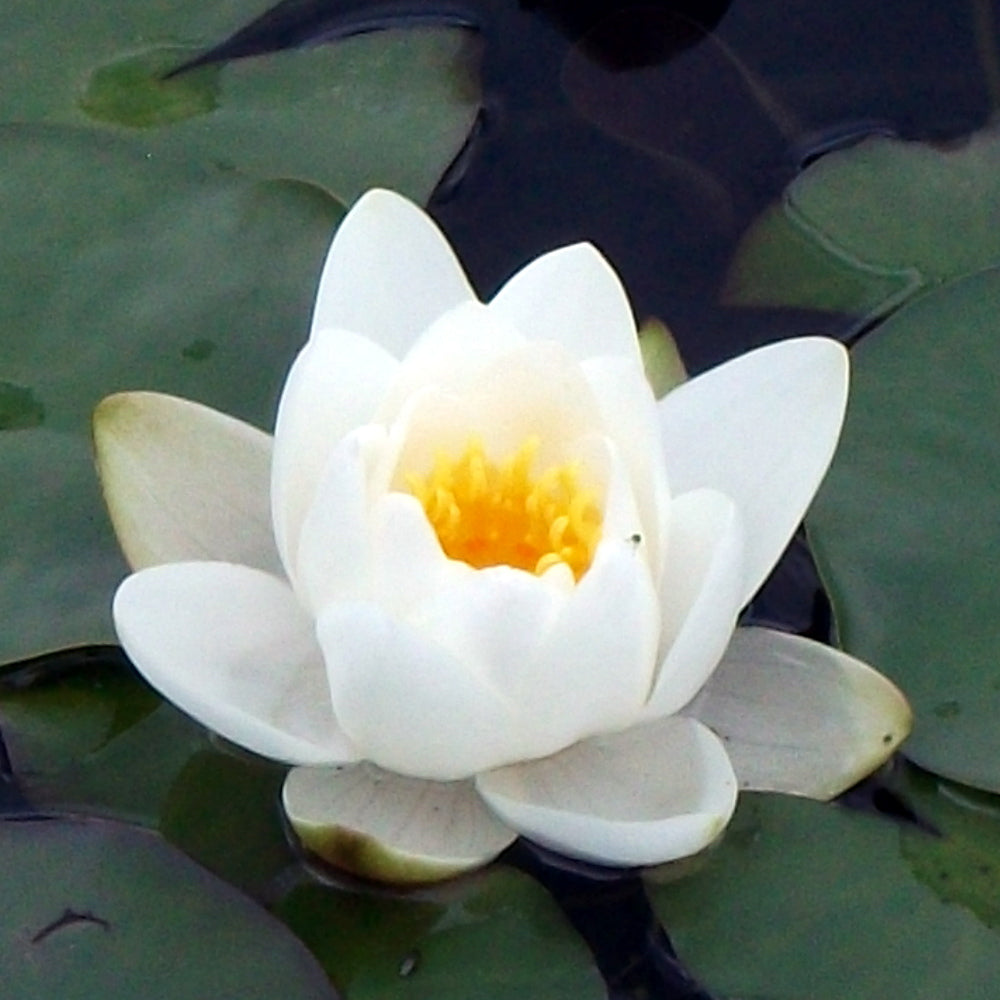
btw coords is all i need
(489, 511)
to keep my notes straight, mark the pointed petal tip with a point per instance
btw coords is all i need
(572, 295)
(389, 273)
(183, 481)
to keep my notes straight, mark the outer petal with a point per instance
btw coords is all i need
(183, 481)
(699, 595)
(800, 717)
(389, 273)
(389, 828)
(762, 429)
(651, 794)
(407, 703)
(231, 646)
(335, 385)
(571, 295)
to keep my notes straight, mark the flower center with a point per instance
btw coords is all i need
(488, 513)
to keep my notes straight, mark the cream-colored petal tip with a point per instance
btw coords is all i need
(389, 828)
(655, 793)
(800, 717)
(183, 481)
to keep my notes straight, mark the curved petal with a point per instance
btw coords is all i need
(591, 669)
(334, 386)
(231, 646)
(454, 350)
(333, 562)
(408, 704)
(800, 717)
(389, 828)
(631, 419)
(654, 793)
(700, 596)
(184, 482)
(761, 429)
(534, 391)
(573, 296)
(389, 273)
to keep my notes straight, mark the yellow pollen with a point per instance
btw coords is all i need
(488, 513)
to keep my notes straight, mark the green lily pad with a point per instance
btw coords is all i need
(497, 936)
(113, 266)
(806, 901)
(91, 737)
(865, 228)
(223, 810)
(94, 910)
(905, 527)
(391, 108)
(52, 719)
(962, 865)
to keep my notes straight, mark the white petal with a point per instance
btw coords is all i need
(184, 482)
(231, 646)
(389, 828)
(389, 273)
(700, 595)
(535, 390)
(409, 566)
(592, 668)
(408, 704)
(335, 385)
(654, 793)
(631, 419)
(333, 562)
(573, 296)
(454, 350)
(761, 429)
(800, 717)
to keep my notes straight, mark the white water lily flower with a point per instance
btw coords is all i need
(502, 578)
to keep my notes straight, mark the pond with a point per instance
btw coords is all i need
(755, 171)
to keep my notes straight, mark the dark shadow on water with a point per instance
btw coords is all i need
(609, 909)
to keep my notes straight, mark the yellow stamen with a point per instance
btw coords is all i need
(492, 514)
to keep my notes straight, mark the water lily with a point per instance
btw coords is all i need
(481, 582)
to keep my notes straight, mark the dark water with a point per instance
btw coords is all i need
(658, 132)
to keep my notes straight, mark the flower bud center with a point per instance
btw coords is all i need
(488, 513)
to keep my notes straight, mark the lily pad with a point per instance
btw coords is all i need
(962, 865)
(805, 900)
(114, 264)
(53, 718)
(391, 108)
(95, 909)
(905, 527)
(499, 937)
(867, 227)
(223, 810)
